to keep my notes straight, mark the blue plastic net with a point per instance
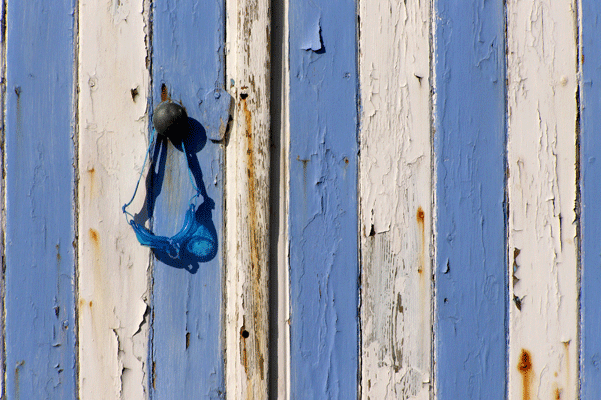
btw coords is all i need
(193, 238)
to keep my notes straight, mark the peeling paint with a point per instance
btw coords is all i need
(312, 39)
(471, 252)
(247, 197)
(323, 221)
(395, 199)
(38, 277)
(112, 135)
(186, 346)
(541, 191)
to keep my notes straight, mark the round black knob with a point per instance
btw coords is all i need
(170, 119)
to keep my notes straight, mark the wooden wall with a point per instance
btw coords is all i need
(403, 204)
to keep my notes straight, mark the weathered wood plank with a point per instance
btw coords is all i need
(39, 180)
(248, 161)
(470, 182)
(542, 112)
(39, 156)
(323, 219)
(590, 92)
(187, 352)
(395, 199)
(113, 293)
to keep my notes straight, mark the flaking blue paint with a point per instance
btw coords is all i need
(39, 159)
(471, 320)
(323, 224)
(590, 363)
(187, 352)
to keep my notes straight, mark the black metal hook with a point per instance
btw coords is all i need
(171, 120)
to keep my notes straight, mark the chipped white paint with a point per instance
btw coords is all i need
(542, 110)
(396, 199)
(113, 267)
(247, 199)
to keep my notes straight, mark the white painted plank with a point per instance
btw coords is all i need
(396, 199)
(113, 267)
(247, 199)
(542, 112)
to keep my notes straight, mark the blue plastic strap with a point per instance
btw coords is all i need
(191, 237)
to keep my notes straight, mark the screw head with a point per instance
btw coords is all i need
(170, 119)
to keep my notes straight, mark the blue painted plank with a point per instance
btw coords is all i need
(471, 292)
(590, 300)
(39, 159)
(323, 223)
(186, 336)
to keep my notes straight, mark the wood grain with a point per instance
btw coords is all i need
(469, 144)
(38, 259)
(186, 342)
(542, 111)
(113, 297)
(247, 165)
(323, 221)
(395, 200)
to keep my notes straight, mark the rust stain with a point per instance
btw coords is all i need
(92, 176)
(256, 244)
(83, 302)
(164, 92)
(525, 368)
(58, 253)
(566, 347)
(557, 393)
(261, 366)
(424, 297)
(94, 236)
(420, 216)
(244, 351)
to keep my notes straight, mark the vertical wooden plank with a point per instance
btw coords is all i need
(470, 191)
(323, 200)
(186, 338)
(39, 178)
(248, 161)
(113, 268)
(542, 113)
(395, 199)
(590, 363)
(279, 280)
